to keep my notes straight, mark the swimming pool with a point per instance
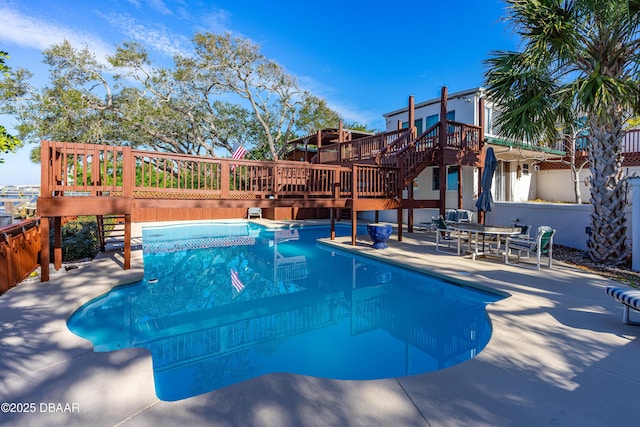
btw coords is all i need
(223, 303)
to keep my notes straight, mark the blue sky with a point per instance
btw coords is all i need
(365, 58)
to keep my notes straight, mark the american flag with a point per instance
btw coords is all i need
(238, 153)
(236, 282)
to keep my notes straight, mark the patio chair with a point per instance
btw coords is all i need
(444, 234)
(450, 215)
(525, 229)
(254, 212)
(540, 244)
(464, 215)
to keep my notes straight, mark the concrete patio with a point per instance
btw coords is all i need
(559, 355)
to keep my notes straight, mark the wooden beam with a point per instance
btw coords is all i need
(57, 243)
(354, 226)
(460, 187)
(127, 241)
(83, 205)
(44, 249)
(442, 142)
(399, 224)
(412, 114)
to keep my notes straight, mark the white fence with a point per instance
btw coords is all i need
(569, 220)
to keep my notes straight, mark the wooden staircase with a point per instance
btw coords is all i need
(111, 232)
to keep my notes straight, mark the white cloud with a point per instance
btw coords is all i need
(216, 21)
(135, 3)
(159, 38)
(38, 33)
(159, 6)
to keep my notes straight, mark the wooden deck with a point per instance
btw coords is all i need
(365, 174)
(630, 150)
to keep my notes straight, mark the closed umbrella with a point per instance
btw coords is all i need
(485, 201)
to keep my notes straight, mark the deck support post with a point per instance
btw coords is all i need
(460, 187)
(354, 226)
(400, 223)
(57, 242)
(44, 249)
(127, 241)
(410, 208)
(354, 198)
(442, 142)
(332, 214)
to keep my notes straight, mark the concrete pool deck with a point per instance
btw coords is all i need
(559, 355)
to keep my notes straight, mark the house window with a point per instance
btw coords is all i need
(430, 121)
(488, 120)
(417, 123)
(433, 119)
(525, 169)
(453, 173)
(435, 182)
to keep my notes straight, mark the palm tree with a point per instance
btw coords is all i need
(577, 55)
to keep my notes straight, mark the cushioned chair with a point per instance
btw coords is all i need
(450, 215)
(525, 229)
(254, 212)
(463, 215)
(540, 244)
(443, 233)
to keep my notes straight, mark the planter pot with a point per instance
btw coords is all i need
(379, 233)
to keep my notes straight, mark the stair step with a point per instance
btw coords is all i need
(112, 231)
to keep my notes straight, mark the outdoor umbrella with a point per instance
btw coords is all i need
(485, 201)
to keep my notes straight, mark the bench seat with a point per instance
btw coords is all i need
(629, 297)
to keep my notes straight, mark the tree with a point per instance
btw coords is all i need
(577, 55)
(315, 114)
(235, 65)
(8, 142)
(227, 93)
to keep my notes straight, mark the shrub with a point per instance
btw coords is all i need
(80, 239)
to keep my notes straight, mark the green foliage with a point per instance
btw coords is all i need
(578, 57)
(227, 93)
(315, 114)
(8, 142)
(4, 69)
(80, 239)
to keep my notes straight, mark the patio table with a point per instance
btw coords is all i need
(477, 233)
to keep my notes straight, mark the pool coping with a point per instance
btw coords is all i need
(559, 354)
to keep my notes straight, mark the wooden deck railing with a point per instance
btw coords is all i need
(630, 150)
(412, 154)
(361, 149)
(19, 252)
(98, 170)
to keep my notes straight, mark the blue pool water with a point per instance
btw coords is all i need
(223, 303)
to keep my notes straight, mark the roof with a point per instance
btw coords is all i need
(467, 92)
(328, 136)
(522, 147)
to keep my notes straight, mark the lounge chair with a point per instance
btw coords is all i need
(254, 212)
(629, 297)
(540, 244)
